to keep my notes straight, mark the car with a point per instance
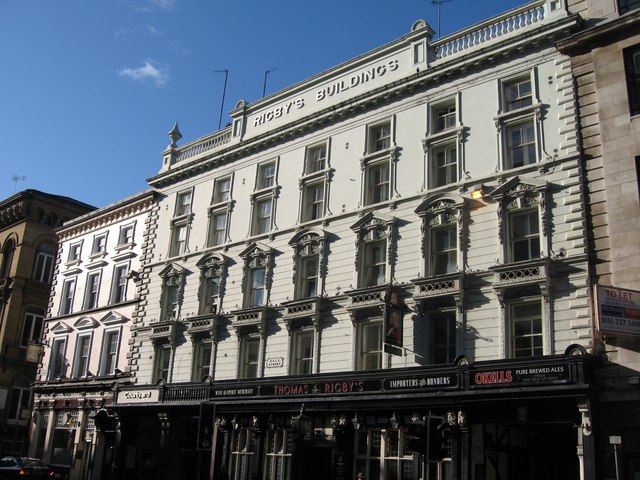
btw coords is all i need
(24, 468)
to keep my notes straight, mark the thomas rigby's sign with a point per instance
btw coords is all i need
(618, 310)
(519, 377)
(338, 387)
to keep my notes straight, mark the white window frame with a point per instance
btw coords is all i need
(221, 206)
(377, 140)
(528, 237)
(201, 365)
(375, 188)
(31, 320)
(184, 203)
(367, 457)
(44, 264)
(267, 175)
(450, 168)
(106, 353)
(435, 253)
(82, 370)
(245, 364)
(58, 359)
(163, 354)
(448, 317)
(316, 163)
(511, 330)
(179, 239)
(119, 283)
(75, 253)
(301, 362)
(99, 244)
(210, 303)
(313, 204)
(373, 231)
(371, 265)
(365, 351)
(89, 292)
(126, 239)
(278, 454)
(67, 295)
(513, 115)
(254, 287)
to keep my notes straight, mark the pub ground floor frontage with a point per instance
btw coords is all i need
(525, 419)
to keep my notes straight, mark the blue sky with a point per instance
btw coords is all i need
(90, 88)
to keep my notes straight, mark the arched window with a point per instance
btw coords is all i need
(7, 257)
(44, 264)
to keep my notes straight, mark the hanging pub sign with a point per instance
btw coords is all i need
(393, 322)
(618, 310)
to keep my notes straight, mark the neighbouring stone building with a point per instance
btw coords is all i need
(87, 331)
(28, 247)
(605, 59)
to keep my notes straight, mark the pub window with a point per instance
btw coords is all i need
(278, 448)
(243, 448)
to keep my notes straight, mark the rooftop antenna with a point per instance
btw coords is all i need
(15, 179)
(224, 93)
(439, 3)
(264, 85)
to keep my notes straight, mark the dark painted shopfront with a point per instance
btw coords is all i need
(495, 420)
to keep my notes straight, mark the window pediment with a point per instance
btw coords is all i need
(212, 265)
(372, 221)
(85, 323)
(60, 328)
(113, 318)
(172, 270)
(519, 188)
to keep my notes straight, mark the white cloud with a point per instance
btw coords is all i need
(149, 72)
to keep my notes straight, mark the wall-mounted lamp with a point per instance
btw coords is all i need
(477, 192)
(393, 421)
(356, 422)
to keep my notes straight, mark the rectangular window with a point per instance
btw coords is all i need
(202, 360)
(66, 300)
(387, 451)
(262, 212)
(222, 190)
(308, 277)
(302, 352)
(278, 448)
(243, 447)
(119, 287)
(99, 244)
(524, 235)
(444, 168)
(170, 299)
(19, 405)
(256, 292)
(126, 235)
(110, 347)
(444, 117)
(218, 228)
(91, 291)
(444, 250)
(32, 331)
(210, 295)
(374, 263)
(81, 357)
(517, 94)
(313, 201)
(628, 5)
(163, 361)
(179, 239)
(57, 364)
(379, 137)
(632, 72)
(526, 328)
(44, 264)
(266, 175)
(249, 351)
(315, 158)
(378, 183)
(183, 203)
(74, 252)
(521, 144)
(370, 343)
(442, 337)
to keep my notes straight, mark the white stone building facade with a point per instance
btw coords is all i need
(403, 235)
(87, 333)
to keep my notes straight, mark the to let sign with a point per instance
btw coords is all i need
(618, 310)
